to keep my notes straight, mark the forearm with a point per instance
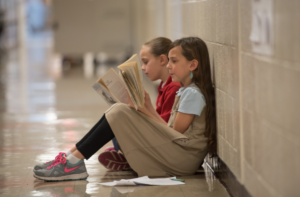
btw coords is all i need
(155, 114)
(152, 115)
(182, 122)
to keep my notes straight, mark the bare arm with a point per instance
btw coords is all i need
(182, 122)
(145, 111)
(151, 109)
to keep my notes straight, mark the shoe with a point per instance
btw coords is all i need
(111, 148)
(113, 161)
(49, 163)
(62, 170)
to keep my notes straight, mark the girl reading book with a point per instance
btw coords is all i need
(154, 64)
(151, 146)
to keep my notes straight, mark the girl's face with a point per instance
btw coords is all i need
(179, 67)
(151, 65)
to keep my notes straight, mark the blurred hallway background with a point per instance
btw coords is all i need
(52, 51)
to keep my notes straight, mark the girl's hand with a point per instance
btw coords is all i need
(148, 103)
(152, 114)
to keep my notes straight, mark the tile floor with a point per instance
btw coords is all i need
(41, 115)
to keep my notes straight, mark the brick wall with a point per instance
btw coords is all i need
(257, 95)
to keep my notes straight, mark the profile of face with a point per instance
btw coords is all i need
(179, 67)
(151, 65)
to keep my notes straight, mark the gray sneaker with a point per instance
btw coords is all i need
(47, 164)
(63, 170)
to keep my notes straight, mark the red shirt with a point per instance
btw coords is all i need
(166, 98)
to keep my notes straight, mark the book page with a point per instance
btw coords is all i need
(132, 77)
(130, 87)
(158, 181)
(115, 85)
(101, 82)
(144, 181)
(106, 95)
(129, 69)
(139, 79)
(135, 58)
(124, 182)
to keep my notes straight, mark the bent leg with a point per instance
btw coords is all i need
(95, 139)
(90, 132)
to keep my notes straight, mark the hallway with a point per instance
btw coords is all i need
(56, 50)
(42, 115)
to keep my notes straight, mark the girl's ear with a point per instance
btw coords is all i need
(194, 64)
(163, 60)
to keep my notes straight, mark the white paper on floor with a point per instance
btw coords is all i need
(145, 180)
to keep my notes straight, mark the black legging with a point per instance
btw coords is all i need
(96, 138)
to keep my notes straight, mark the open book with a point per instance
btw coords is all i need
(112, 87)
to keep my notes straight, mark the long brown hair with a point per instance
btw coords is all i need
(195, 48)
(159, 46)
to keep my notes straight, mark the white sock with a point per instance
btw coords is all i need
(68, 153)
(72, 159)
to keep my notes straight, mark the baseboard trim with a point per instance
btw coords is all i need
(226, 177)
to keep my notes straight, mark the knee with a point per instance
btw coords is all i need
(121, 107)
(118, 108)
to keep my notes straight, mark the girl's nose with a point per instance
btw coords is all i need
(143, 67)
(168, 65)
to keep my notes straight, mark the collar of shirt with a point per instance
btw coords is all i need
(161, 89)
(179, 92)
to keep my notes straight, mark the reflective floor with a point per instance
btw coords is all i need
(45, 109)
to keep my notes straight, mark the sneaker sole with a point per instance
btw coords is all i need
(72, 177)
(114, 161)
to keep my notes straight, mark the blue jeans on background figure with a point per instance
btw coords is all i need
(116, 145)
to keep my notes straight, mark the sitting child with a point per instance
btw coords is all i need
(151, 146)
(154, 64)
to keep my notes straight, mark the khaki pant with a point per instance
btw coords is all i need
(150, 147)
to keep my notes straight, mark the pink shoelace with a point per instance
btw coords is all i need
(60, 158)
(57, 157)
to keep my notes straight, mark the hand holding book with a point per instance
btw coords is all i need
(148, 104)
(148, 109)
(127, 88)
(114, 88)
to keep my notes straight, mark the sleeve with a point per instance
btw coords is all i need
(191, 102)
(168, 103)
